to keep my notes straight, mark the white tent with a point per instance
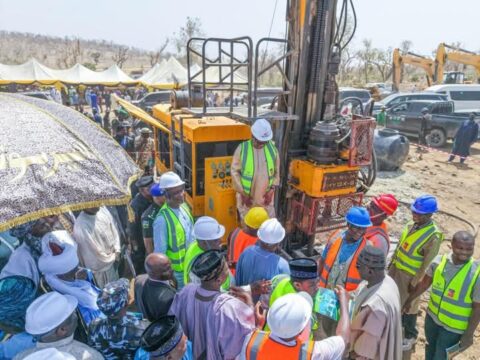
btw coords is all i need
(27, 73)
(166, 75)
(77, 74)
(113, 76)
(153, 72)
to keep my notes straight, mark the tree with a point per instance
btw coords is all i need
(120, 56)
(156, 55)
(382, 60)
(96, 55)
(90, 66)
(366, 55)
(192, 28)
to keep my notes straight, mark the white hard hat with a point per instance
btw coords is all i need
(170, 180)
(262, 130)
(271, 231)
(207, 228)
(50, 354)
(289, 314)
(48, 311)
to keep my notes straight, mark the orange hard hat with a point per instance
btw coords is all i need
(386, 202)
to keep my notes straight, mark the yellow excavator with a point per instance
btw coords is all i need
(457, 55)
(410, 58)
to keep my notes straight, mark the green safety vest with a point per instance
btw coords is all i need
(176, 236)
(248, 166)
(281, 285)
(452, 302)
(192, 252)
(407, 256)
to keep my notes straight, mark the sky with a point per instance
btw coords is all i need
(146, 23)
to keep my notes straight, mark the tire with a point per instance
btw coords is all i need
(436, 138)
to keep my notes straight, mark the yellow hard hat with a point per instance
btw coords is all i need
(255, 217)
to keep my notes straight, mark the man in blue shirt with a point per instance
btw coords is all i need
(164, 339)
(260, 262)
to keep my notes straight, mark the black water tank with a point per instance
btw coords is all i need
(391, 149)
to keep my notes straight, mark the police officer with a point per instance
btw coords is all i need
(118, 335)
(149, 215)
(137, 207)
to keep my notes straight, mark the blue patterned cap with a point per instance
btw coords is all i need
(16, 294)
(162, 336)
(114, 297)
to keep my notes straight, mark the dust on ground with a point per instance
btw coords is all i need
(457, 188)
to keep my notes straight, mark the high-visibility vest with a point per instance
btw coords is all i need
(248, 166)
(176, 248)
(375, 233)
(261, 347)
(353, 278)
(452, 302)
(192, 252)
(239, 241)
(407, 256)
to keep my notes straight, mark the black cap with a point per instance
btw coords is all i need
(208, 265)
(144, 181)
(372, 257)
(303, 268)
(162, 336)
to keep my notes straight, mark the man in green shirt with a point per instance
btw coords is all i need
(380, 117)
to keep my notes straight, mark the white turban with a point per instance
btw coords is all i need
(51, 263)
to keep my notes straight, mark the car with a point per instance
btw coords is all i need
(38, 94)
(465, 96)
(443, 121)
(362, 94)
(149, 100)
(398, 98)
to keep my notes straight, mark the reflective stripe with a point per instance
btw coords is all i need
(306, 350)
(255, 344)
(449, 314)
(327, 267)
(248, 165)
(353, 280)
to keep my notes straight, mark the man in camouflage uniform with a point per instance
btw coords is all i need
(117, 336)
(149, 215)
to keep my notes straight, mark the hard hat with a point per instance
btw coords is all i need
(290, 314)
(207, 228)
(271, 232)
(425, 204)
(156, 190)
(255, 217)
(170, 180)
(386, 202)
(358, 216)
(262, 130)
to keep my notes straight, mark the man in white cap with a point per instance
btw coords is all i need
(260, 262)
(52, 320)
(173, 227)
(289, 321)
(60, 265)
(255, 170)
(208, 234)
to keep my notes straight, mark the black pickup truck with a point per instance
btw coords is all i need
(443, 122)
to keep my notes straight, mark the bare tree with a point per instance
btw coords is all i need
(156, 55)
(192, 28)
(96, 55)
(121, 55)
(383, 62)
(366, 56)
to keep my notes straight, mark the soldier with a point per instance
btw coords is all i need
(117, 336)
(149, 215)
(138, 205)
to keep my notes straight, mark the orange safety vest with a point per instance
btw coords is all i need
(261, 347)
(375, 233)
(238, 241)
(353, 276)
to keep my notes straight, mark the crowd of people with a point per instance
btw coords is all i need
(67, 291)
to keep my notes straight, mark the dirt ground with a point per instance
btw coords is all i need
(457, 189)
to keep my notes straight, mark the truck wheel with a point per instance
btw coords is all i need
(436, 138)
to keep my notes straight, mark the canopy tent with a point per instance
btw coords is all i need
(77, 74)
(153, 72)
(166, 75)
(28, 73)
(115, 76)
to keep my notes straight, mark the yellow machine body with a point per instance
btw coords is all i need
(204, 138)
(219, 199)
(322, 180)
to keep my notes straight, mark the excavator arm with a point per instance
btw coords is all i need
(410, 59)
(460, 56)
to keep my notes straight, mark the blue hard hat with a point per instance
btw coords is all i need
(358, 216)
(155, 190)
(425, 204)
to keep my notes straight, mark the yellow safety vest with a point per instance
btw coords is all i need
(176, 248)
(407, 257)
(452, 302)
(248, 166)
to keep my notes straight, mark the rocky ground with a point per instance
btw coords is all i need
(457, 188)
